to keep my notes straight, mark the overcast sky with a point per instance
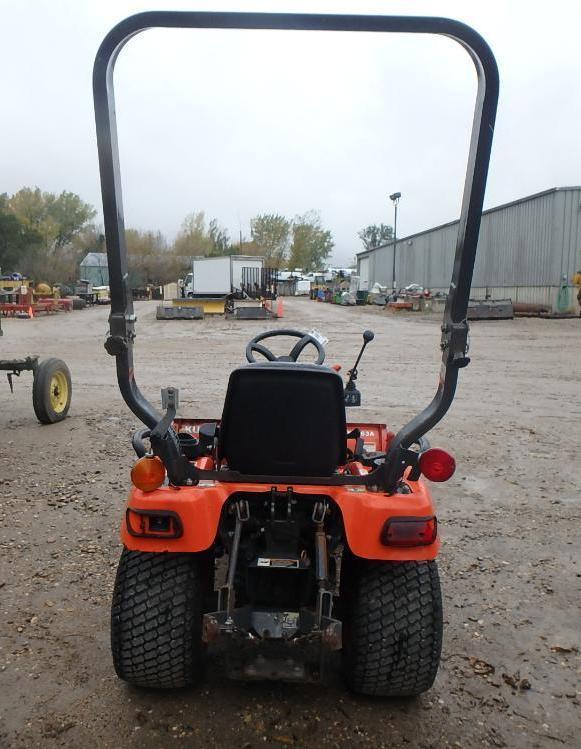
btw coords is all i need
(238, 123)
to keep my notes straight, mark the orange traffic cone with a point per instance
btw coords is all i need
(30, 313)
(279, 309)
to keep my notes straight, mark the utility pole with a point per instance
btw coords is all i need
(394, 197)
(240, 231)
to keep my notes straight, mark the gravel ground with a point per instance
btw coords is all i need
(510, 562)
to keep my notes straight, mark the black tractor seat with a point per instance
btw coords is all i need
(283, 419)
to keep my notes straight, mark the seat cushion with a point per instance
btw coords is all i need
(283, 419)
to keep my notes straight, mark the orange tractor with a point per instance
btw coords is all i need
(284, 535)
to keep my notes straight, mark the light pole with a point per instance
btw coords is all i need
(394, 197)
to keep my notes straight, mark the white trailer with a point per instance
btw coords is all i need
(222, 275)
(303, 287)
(210, 275)
(246, 270)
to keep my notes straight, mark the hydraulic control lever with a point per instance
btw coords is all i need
(352, 395)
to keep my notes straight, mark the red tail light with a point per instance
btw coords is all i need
(409, 531)
(437, 464)
(153, 523)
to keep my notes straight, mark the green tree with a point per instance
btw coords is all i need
(271, 235)
(150, 260)
(18, 242)
(69, 215)
(90, 238)
(311, 244)
(375, 235)
(56, 219)
(246, 247)
(144, 243)
(193, 238)
(219, 239)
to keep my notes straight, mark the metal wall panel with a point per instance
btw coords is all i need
(532, 242)
(546, 295)
(568, 214)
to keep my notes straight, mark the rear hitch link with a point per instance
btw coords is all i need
(227, 591)
(324, 596)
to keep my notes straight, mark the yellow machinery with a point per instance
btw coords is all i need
(209, 305)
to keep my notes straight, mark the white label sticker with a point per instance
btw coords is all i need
(319, 337)
(264, 562)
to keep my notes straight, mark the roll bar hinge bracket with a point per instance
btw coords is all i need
(170, 399)
(115, 345)
(456, 343)
(121, 333)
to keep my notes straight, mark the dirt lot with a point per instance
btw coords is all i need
(510, 564)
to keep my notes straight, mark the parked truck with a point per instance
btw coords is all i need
(229, 274)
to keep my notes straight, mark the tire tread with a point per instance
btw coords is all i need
(394, 628)
(156, 619)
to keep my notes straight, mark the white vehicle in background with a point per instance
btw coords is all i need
(303, 287)
(222, 275)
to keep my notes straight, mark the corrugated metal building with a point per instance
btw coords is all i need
(94, 268)
(528, 251)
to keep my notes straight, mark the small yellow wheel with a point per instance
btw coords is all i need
(51, 391)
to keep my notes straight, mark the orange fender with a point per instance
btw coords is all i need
(364, 515)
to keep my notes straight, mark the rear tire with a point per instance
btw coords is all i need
(51, 391)
(156, 618)
(392, 628)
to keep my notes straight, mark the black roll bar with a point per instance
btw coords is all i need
(454, 342)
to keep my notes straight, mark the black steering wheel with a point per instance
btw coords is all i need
(305, 339)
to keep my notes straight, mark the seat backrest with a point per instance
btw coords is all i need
(283, 419)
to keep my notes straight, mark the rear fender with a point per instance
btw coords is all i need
(198, 508)
(364, 515)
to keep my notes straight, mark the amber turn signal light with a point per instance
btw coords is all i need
(437, 464)
(148, 473)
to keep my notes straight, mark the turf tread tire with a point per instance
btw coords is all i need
(156, 618)
(393, 628)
